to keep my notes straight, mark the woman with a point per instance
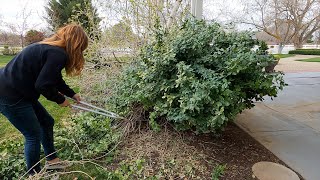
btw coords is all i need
(34, 71)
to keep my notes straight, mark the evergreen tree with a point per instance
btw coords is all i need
(60, 12)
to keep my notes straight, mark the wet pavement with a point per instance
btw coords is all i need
(289, 125)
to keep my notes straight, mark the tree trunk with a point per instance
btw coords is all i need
(173, 12)
(22, 42)
(298, 45)
(280, 47)
(159, 4)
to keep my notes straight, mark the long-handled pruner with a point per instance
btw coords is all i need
(95, 109)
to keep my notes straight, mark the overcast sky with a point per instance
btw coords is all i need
(10, 10)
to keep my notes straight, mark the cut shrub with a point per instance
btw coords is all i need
(197, 77)
(306, 51)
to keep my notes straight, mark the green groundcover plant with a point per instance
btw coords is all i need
(85, 137)
(197, 76)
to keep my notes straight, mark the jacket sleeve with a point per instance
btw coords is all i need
(50, 77)
(65, 89)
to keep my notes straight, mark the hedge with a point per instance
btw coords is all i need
(306, 51)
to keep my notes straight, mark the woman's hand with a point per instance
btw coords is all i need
(77, 98)
(66, 103)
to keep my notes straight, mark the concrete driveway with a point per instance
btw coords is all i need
(289, 126)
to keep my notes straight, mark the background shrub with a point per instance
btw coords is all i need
(306, 51)
(197, 77)
(6, 50)
(33, 36)
(10, 51)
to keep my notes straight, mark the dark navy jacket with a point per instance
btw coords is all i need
(35, 70)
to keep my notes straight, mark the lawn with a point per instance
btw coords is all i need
(316, 59)
(4, 60)
(6, 129)
(284, 55)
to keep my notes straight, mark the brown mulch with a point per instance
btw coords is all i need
(174, 155)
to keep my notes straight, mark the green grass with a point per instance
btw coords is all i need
(4, 60)
(6, 129)
(284, 55)
(316, 59)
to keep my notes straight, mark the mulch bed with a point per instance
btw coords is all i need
(175, 155)
(235, 148)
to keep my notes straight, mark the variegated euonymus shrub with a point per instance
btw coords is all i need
(198, 77)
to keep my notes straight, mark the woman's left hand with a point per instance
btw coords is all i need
(77, 98)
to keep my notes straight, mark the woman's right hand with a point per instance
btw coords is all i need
(66, 103)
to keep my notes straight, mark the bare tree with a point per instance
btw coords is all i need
(174, 12)
(7, 38)
(1, 20)
(23, 24)
(285, 20)
(317, 37)
(143, 14)
(305, 17)
(265, 37)
(21, 28)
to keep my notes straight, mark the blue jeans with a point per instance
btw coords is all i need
(36, 125)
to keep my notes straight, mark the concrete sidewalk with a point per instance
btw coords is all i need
(289, 126)
(291, 65)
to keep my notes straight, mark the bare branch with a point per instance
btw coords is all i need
(286, 20)
(174, 12)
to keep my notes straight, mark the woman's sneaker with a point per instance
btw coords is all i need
(57, 165)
